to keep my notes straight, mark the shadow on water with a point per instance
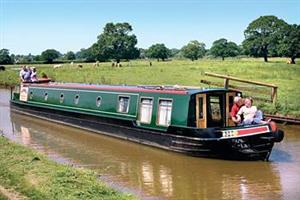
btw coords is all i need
(157, 174)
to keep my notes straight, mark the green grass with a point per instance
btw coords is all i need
(2, 197)
(34, 176)
(184, 72)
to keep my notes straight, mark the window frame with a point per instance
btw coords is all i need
(118, 103)
(140, 104)
(158, 111)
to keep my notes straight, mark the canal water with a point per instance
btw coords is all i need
(153, 173)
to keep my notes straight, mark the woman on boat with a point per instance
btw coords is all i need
(248, 111)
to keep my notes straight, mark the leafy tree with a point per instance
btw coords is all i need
(262, 36)
(158, 51)
(142, 53)
(37, 58)
(223, 48)
(116, 42)
(4, 57)
(289, 46)
(49, 55)
(174, 52)
(193, 50)
(25, 58)
(86, 55)
(70, 55)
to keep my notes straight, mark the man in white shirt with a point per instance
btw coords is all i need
(248, 111)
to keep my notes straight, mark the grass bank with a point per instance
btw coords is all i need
(30, 175)
(183, 72)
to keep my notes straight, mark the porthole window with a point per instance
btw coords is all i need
(61, 98)
(98, 101)
(31, 95)
(76, 99)
(46, 96)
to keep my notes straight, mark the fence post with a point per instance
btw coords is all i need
(274, 95)
(226, 83)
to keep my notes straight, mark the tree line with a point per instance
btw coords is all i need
(266, 36)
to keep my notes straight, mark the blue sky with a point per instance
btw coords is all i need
(32, 26)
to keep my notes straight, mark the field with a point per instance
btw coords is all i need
(182, 72)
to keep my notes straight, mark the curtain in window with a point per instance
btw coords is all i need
(123, 104)
(165, 109)
(146, 110)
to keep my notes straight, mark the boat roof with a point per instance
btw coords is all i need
(175, 89)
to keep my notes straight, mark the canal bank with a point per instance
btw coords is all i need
(28, 174)
(25, 173)
(156, 174)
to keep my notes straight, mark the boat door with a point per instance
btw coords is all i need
(201, 110)
(229, 103)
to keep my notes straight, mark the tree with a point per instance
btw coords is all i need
(174, 52)
(289, 46)
(70, 55)
(262, 36)
(116, 42)
(4, 57)
(158, 51)
(223, 48)
(193, 50)
(142, 53)
(49, 55)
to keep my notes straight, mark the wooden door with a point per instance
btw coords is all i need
(201, 110)
(229, 103)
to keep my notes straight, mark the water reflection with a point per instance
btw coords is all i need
(156, 174)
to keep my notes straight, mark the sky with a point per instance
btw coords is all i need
(32, 26)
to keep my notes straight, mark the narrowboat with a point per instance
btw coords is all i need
(194, 121)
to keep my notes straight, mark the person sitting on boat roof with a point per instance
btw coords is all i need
(33, 76)
(22, 73)
(248, 111)
(238, 102)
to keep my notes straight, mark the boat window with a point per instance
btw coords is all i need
(201, 115)
(76, 99)
(123, 105)
(231, 98)
(46, 96)
(98, 101)
(61, 99)
(215, 111)
(146, 105)
(164, 112)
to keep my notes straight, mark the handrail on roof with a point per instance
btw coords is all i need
(168, 87)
